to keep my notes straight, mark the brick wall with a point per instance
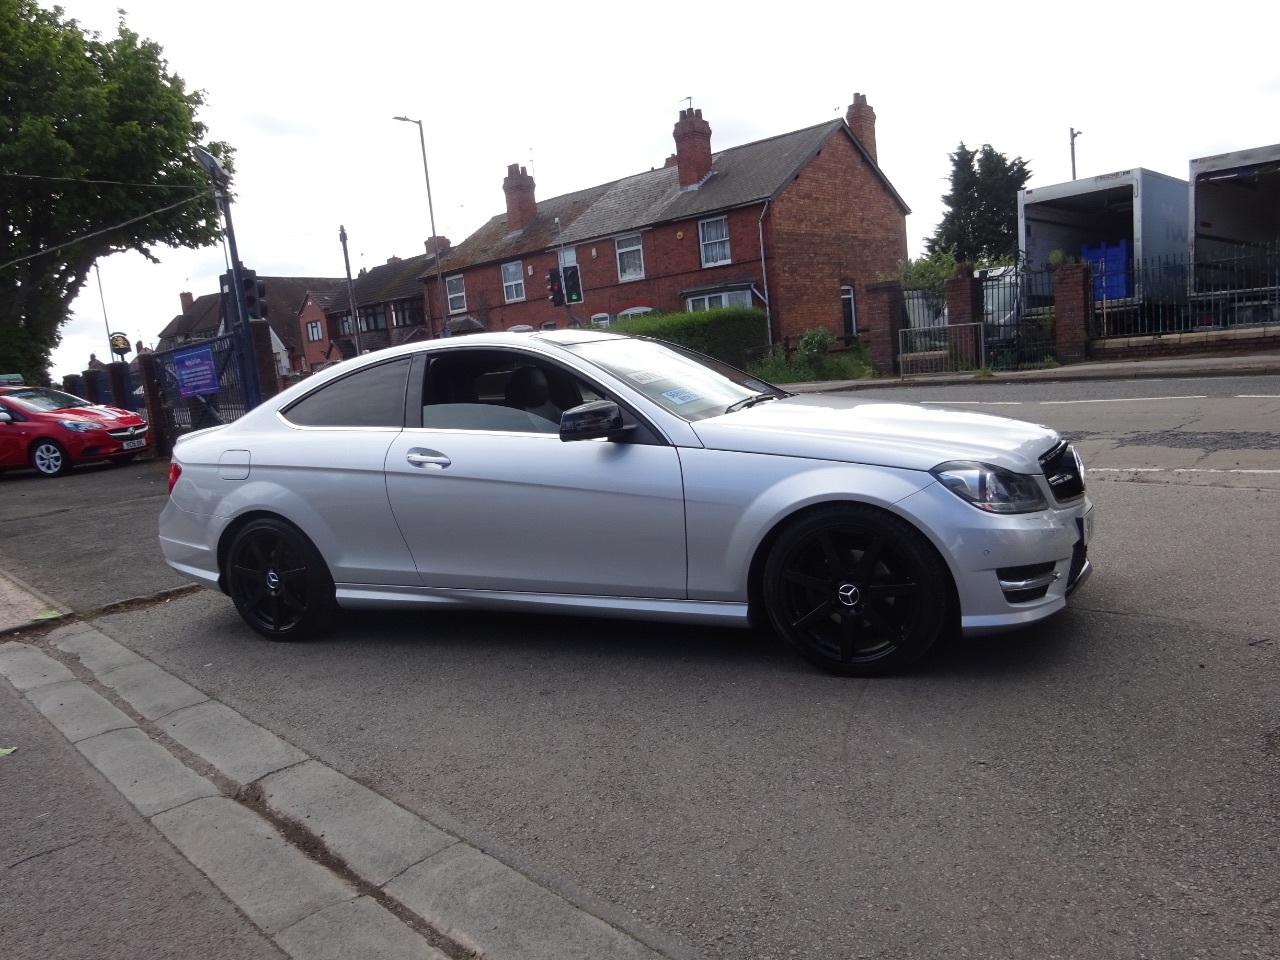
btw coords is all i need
(672, 264)
(882, 317)
(1072, 310)
(834, 225)
(313, 352)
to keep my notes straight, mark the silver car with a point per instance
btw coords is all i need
(581, 472)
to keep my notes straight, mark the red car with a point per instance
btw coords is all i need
(51, 430)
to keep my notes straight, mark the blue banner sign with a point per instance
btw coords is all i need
(196, 371)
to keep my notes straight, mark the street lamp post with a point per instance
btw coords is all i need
(444, 313)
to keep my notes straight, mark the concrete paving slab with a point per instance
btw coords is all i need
(70, 630)
(373, 836)
(21, 605)
(359, 930)
(240, 749)
(504, 915)
(98, 652)
(153, 692)
(249, 861)
(78, 711)
(149, 776)
(27, 668)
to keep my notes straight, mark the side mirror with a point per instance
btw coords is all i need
(591, 421)
(4, 417)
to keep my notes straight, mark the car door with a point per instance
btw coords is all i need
(489, 498)
(13, 447)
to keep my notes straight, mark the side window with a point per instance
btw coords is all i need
(495, 390)
(373, 397)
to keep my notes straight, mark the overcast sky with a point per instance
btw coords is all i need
(585, 93)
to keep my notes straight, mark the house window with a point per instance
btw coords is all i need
(714, 235)
(630, 258)
(849, 312)
(313, 330)
(721, 298)
(372, 318)
(633, 312)
(513, 281)
(344, 325)
(456, 290)
(406, 313)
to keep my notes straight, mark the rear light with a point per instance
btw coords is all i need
(175, 471)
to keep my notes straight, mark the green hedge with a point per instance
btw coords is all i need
(730, 334)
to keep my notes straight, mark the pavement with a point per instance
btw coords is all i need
(144, 819)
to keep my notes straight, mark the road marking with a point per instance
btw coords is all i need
(1173, 470)
(1258, 396)
(1200, 396)
(983, 403)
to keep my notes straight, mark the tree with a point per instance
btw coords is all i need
(981, 222)
(95, 158)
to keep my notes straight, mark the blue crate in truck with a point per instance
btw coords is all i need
(1112, 265)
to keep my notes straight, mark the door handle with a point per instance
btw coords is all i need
(428, 458)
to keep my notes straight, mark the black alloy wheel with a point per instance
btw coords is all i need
(49, 458)
(856, 590)
(278, 580)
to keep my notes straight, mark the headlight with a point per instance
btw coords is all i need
(991, 488)
(80, 426)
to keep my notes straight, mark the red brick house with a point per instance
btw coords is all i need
(292, 309)
(389, 304)
(798, 224)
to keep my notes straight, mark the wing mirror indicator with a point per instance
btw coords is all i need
(591, 421)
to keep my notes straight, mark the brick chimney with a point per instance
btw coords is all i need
(862, 121)
(393, 259)
(434, 244)
(521, 207)
(188, 301)
(693, 148)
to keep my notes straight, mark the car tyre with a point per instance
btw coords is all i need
(856, 590)
(278, 581)
(49, 458)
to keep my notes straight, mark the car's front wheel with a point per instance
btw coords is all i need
(49, 458)
(278, 580)
(856, 590)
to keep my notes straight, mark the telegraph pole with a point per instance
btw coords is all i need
(351, 296)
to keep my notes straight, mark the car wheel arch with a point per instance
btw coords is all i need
(757, 616)
(232, 530)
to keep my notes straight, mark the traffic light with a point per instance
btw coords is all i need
(255, 292)
(555, 287)
(572, 284)
(230, 312)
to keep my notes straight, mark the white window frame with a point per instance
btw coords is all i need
(460, 295)
(314, 330)
(728, 298)
(847, 293)
(631, 245)
(633, 312)
(704, 244)
(513, 281)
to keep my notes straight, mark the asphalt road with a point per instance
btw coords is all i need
(1104, 785)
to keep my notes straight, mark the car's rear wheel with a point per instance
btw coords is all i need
(278, 580)
(856, 590)
(49, 458)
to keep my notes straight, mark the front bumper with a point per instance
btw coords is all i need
(1010, 571)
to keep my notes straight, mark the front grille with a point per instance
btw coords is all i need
(129, 433)
(1062, 469)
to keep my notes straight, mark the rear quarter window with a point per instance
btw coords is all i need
(372, 397)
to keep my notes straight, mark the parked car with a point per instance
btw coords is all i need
(52, 431)
(582, 472)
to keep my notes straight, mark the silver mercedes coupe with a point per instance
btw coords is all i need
(582, 472)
